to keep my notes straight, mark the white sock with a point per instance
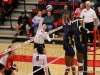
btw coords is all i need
(80, 73)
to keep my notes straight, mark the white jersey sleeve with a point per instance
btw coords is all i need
(40, 25)
(48, 38)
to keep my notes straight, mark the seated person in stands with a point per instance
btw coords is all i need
(65, 10)
(36, 21)
(49, 20)
(23, 23)
(7, 4)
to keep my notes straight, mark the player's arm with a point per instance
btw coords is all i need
(75, 30)
(65, 28)
(11, 67)
(40, 25)
(95, 20)
(48, 37)
(45, 63)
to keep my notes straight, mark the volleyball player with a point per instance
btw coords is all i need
(41, 34)
(3, 63)
(79, 46)
(39, 60)
(67, 44)
(10, 67)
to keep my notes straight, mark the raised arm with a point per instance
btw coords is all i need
(48, 38)
(40, 25)
(65, 28)
(75, 30)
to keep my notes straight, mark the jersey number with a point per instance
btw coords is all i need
(37, 58)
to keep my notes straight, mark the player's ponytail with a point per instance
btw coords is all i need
(40, 49)
(9, 52)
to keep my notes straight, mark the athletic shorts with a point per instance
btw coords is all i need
(23, 27)
(8, 72)
(40, 72)
(70, 52)
(37, 45)
(1, 66)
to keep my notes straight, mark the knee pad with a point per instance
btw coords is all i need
(81, 73)
(80, 64)
(67, 68)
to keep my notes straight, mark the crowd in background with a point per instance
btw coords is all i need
(23, 22)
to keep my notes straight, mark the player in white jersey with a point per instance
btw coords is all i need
(3, 61)
(40, 36)
(39, 60)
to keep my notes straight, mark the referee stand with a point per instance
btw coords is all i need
(86, 52)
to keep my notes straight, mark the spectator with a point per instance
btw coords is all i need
(78, 11)
(65, 10)
(48, 20)
(90, 20)
(96, 4)
(36, 21)
(23, 23)
(7, 4)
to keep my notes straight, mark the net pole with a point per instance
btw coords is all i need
(85, 52)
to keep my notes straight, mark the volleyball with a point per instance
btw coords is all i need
(49, 7)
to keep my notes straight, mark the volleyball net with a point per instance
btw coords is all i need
(58, 54)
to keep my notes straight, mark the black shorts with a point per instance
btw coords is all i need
(24, 26)
(37, 45)
(1, 66)
(8, 72)
(40, 72)
(70, 52)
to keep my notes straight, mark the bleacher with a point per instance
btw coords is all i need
(7, 30)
